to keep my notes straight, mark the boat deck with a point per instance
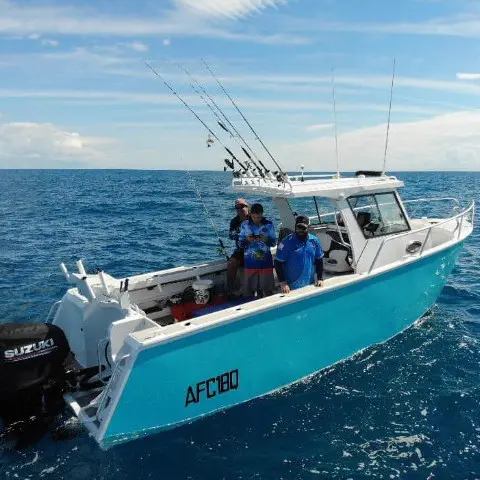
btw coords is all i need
(158, 316)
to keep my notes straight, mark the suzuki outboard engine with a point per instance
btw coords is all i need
(32, 371)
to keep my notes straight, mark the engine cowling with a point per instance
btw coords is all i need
(32, 371)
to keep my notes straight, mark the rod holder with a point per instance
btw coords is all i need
(65, 271)
(104, 283)
(81, 269)
(89, 290)
(125, 300)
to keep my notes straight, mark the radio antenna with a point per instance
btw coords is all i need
(335, 123)
(388, 123)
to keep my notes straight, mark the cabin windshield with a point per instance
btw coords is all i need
(378, 214)
(320, 210)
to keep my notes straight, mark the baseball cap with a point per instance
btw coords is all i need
(302, 221)
(256, 208)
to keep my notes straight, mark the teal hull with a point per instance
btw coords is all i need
(182, 380)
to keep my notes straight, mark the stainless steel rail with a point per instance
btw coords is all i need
(469, 211)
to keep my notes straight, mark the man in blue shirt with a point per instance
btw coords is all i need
(299, 256)
(257, 235)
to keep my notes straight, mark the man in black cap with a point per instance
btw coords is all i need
(299, 256)
(237, 258)
(257, 236)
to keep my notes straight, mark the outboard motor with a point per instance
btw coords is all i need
(32, 372)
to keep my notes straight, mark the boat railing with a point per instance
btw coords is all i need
(416, 200)
(102, 349)
(53, 311)
(459, 218)
(113, 383)
(455, 201)
(432, 199)
(259, 182)
(299, 177)
(323, 215)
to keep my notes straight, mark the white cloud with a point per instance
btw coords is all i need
(464, 25)
(447, 142)
(194, 101)
(194, 18)
(227, 8)
(81, 56)
(49, 43)
(26, 144)
(468, 76)
(319, 126)
(117, 60)
(44, 41)
(137, 46)
(180, 21)
(267, 80)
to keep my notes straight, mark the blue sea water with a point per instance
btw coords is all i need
(409, 408)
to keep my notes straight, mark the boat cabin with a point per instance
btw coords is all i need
(350, 216)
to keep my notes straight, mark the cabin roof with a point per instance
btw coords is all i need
(316, 185)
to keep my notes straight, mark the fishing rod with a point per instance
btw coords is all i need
(220, 122)
(221, 249)
(243, 116)
(250, 159)
(196, 116)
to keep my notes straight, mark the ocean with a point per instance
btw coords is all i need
(408, 408)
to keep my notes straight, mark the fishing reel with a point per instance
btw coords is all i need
(229, 164)
(279, 176)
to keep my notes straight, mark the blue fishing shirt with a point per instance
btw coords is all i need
(257, 253)
(298, 258)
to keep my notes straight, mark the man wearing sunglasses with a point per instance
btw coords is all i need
(257, 236)
(237, 258)
(299, 256)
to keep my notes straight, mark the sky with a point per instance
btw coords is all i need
(75, 91)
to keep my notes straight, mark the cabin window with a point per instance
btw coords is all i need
(319, 209)
(378, 214)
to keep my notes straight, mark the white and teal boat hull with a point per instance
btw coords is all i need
(206, 371)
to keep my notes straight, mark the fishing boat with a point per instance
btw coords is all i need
(162, 357)
(137, 355)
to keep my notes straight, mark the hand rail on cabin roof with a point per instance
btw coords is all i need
(297, 177)
(462, 214)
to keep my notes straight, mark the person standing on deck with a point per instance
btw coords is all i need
(257, 235)
(236, 260)
(299, 256)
